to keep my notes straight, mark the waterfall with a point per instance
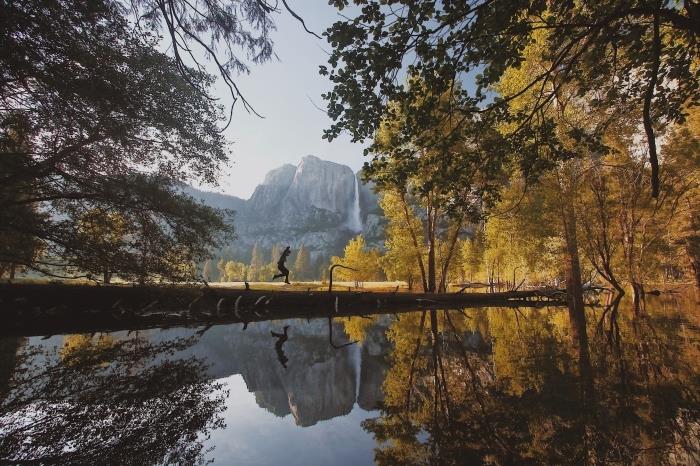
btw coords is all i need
(354, 219)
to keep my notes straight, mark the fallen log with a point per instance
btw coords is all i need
(40, 309)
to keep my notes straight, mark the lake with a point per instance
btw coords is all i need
(480, 386)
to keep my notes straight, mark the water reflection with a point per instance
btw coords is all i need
(527, 400)
(98, 400)
(496, 386)
(319, 382)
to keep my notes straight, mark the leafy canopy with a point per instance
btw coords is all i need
(630, 50)
(94, 118)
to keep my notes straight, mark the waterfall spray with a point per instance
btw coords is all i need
(354, 219)
(357, 362)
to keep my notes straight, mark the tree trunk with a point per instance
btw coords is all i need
(419, 256)
(637, 295)
(692, 250)
(637, 287)
(106, 276)
(431, 251)
(13, 271)
(574, 293)
(646, 111)
(448, 259)
(613, 281)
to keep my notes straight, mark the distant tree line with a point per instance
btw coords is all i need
(263, 265)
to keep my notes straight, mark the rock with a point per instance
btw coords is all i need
(267, 198)
(310, 204)
(216, 200)
(374, 230)
(324, 185)
(369, 199)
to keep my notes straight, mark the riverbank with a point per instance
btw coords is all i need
(46, 309)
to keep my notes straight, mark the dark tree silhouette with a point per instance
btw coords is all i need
(113, 401)
(94, 118)
(87, 102)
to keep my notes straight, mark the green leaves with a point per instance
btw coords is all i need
(112, 125)
(605, 47)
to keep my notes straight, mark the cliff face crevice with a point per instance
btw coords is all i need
(310, 204)
(324, 185)
(268, 196)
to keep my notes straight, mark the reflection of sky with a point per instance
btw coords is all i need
(254, 436)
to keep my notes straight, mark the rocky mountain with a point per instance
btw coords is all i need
(319, 383)
(317, 203)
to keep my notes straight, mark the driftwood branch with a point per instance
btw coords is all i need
(330, 274)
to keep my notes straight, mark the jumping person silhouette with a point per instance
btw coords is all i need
(280, 265)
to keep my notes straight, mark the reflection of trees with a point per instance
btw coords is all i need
(356, 327)
(109, 401)
(8, 359)
(447, 401)
(648, 383)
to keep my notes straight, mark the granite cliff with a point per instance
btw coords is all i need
(317, 203)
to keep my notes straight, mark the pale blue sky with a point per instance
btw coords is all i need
(281, 91)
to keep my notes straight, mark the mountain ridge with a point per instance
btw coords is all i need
(317, 203)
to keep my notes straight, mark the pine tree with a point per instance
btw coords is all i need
(275, 255)
(257, 264)
(473, 251)
(322, 269)
(302, 263)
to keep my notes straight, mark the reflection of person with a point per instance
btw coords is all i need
(281, 338)
(280, 265)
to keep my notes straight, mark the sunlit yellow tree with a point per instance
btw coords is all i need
(404, 257)
(443, 185)
(684, 147)
(358, 256)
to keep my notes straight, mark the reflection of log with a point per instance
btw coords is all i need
(90, 308)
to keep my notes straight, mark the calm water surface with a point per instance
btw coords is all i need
(484, 386)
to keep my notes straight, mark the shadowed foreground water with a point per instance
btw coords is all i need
(497, 386)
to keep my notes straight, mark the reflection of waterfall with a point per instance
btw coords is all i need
(357, 359)
(354, 220)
